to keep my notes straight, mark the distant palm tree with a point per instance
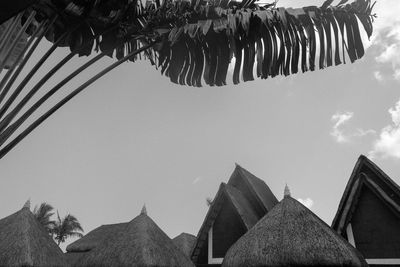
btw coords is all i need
(69, 226)
(43, 214)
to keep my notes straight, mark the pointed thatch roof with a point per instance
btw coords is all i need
(24, 242)
(141, 243)
(366, 175)
(95, 237)
(291, 235)
(185, 243)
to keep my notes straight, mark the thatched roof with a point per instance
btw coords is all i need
(292, 235)
(250, 197)
(366, 174)
(141, 243)
(185, 243)
(24, 242)
(74, 258)
(95, 237)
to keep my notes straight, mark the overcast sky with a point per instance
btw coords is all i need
(134, 137)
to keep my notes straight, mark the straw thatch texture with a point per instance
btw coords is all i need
(291, 235)
(74, 258)
(141, 243)
(24, 242)
(95, 237)
(185, 243)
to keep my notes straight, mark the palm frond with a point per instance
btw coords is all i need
(43, 214)
(278, 41)
(68, 226)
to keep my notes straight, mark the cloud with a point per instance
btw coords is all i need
(197, 179)
(386, 37)
(339, 119)
(388, 143)
(308, 202)
(338, 133)
(378, 76)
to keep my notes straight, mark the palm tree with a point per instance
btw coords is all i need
(66, 227)
(190, 41)
(43, 214)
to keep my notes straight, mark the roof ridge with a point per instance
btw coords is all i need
(355, 176)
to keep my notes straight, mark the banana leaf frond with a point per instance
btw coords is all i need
(267, 41)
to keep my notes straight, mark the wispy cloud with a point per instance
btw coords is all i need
(308, 202)
(197, 179)
(388, 143)
(378, 76)
(341, 118)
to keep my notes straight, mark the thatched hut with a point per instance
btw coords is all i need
(140, 243)
(95, 237)
(292, 235)
(81, 247)
(24, 242)
(185, 243)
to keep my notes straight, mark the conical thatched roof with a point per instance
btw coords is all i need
(185, 243)
(291, 235)
(24, 242)
(95, 237)
(141, 243)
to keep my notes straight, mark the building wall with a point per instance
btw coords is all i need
(376, 227)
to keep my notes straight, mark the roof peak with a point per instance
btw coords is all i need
(27, 204)
(286, 191)
(144, 210)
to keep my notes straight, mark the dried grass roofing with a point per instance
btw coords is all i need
(185, 243)
(24, 242)
(292, 235)
(140, 243)
(95, 237)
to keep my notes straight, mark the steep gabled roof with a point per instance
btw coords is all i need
(292, 235)
(258, 187)
(366, 173)
(95, 237)
(24, 242)
(245, 212)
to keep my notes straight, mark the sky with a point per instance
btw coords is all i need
(135, 138)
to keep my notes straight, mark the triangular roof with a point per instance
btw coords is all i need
(95, 237)
(257, 186)
(141, 243)
(366, 173)
(292, 235)
(24, 242)
(185, 243)
(246, 193)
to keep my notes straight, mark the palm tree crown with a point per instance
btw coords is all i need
(66, 227)
(43, 214)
